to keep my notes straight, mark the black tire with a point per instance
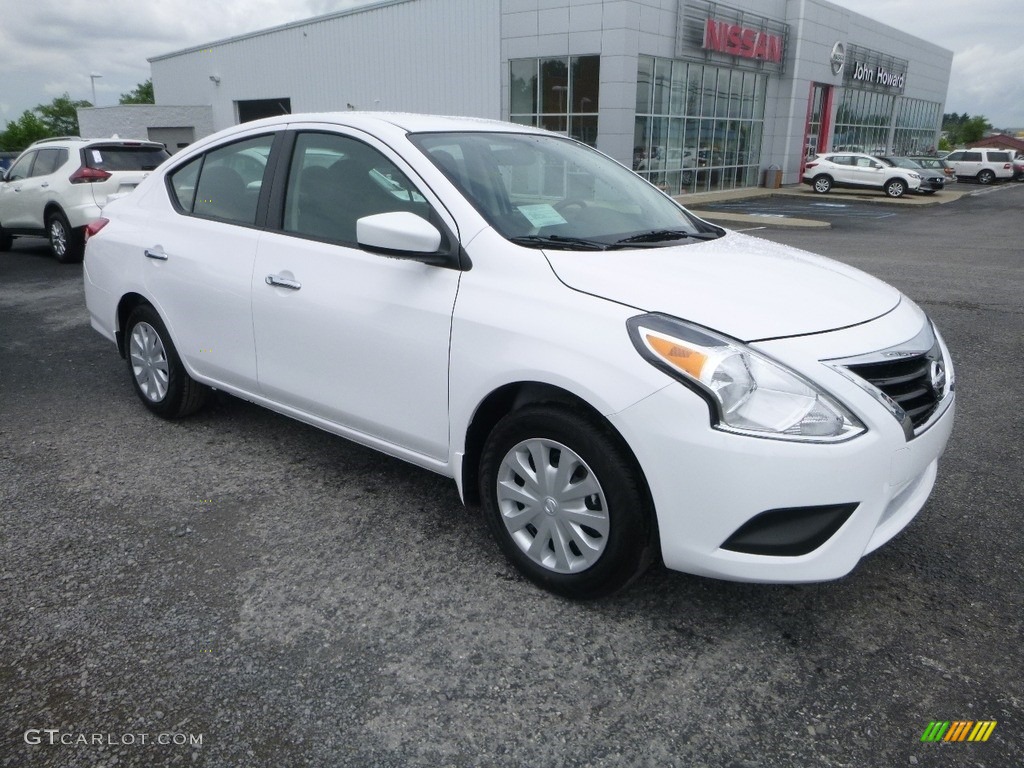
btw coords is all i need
(986, 176)
(895, 187)
(159, 378)
(67, 244)
(602, 540)
(822, 184)
(6, 241)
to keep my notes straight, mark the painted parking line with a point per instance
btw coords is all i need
(808, 211)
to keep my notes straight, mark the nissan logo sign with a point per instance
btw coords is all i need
(838, 58)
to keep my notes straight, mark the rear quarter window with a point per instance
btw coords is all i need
(999, 157)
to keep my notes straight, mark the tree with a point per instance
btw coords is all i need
(143, 94)
(61, 116)
(963, 129)
(22, 132)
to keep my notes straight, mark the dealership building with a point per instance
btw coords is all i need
(696, 95)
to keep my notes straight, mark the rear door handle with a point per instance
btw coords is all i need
(283, 282)
(159, 255)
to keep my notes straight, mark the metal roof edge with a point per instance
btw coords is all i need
(280, 28)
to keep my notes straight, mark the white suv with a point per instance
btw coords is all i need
(57, 186)
(857, 170)
(983, 164)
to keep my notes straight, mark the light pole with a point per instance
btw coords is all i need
(93, 77)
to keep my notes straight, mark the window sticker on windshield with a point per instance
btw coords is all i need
(541, 215)
(96, 156)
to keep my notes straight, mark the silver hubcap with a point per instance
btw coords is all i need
(149, 361)
(553, 506)
(58, 237)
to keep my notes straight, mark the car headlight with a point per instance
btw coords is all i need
(915, 175)
(749, 393)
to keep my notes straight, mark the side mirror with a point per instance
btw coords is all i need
(398, 233)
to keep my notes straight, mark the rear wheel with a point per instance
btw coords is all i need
(895, 187)
(65, 242)
(822, 184)
(6, 240)
(986, 177)
(158, 376)
(564, 499)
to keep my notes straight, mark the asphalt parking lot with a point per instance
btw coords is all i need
(238, 589)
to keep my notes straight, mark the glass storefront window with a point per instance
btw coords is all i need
(559, 94)
(698, 127)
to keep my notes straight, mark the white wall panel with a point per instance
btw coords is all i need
(437, 56)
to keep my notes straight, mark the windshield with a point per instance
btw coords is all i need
(550, 192)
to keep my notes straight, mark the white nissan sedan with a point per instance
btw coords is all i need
(609, 377)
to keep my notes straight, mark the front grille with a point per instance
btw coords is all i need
(909, 381)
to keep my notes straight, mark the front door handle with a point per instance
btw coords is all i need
(283, 282)
(153, 254)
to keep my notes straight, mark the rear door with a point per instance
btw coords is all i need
(198, 258)
(14, 196)
(26, 198)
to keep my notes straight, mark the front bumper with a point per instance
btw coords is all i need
(707, 484)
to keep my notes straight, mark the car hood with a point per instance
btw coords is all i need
(739, 285)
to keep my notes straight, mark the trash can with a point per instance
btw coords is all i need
(773, 177)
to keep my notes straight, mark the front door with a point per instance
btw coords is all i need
(355, 338)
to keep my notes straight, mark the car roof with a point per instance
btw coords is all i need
(408, 122)
(96, 140)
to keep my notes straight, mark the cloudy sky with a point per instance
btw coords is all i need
(49, 47)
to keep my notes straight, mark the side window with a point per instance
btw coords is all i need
(867, 162)
(223, 184)
(22, 168)
(183, 184)
(843, 159)
(335, 180)
(954, 156)
(230, 181)
(49, 160)
(999, 157)
(972, 157)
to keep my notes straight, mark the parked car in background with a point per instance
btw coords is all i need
(7, 160)
(936, 164)
(608, 376)
(983, 164)
(1018, 167)
(859, 171)
(57, 186)
(932, 180)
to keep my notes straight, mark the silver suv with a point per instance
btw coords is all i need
(983, 164)
(859, 171)
(57, 186)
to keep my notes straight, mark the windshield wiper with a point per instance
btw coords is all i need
(560, 242)
(663, 235)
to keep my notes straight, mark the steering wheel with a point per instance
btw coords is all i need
(570, 202)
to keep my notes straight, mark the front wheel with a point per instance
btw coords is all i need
(895, 188)
(986, 177)
(158, 376)
(66, 243)
(565, 500)
(822, 184)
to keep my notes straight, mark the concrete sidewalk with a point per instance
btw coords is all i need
(695, 203)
